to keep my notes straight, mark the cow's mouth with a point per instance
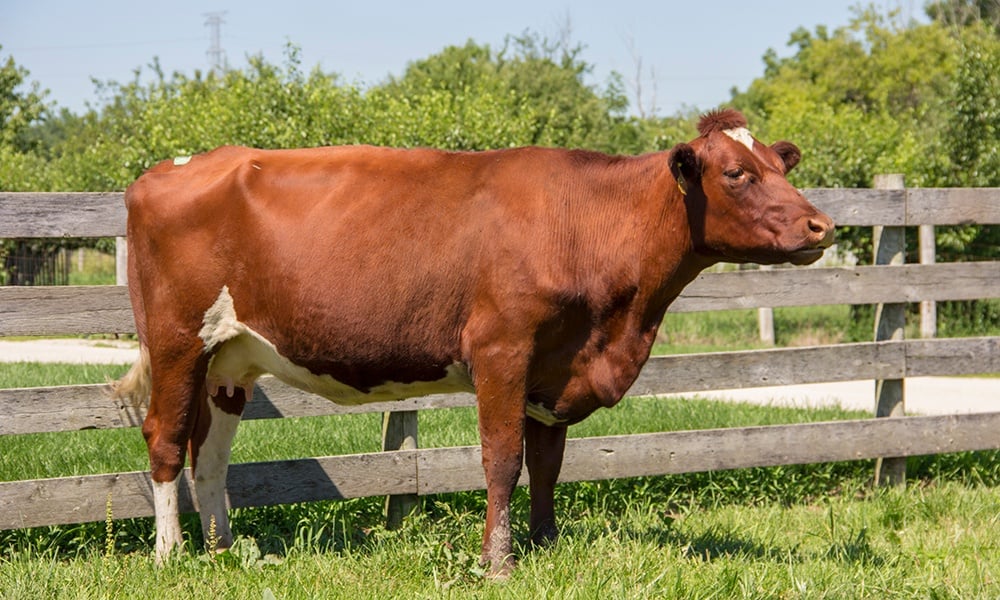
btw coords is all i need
(806, 257)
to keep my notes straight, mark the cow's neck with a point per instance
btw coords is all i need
(653, 245)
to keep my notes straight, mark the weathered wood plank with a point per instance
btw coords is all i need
(63, 408)
(72, 408)
(102, 214)
(952, 206)
(67, 500)
(69, 408)
(861, 207)
(272, 399)
(761, 368)
(59, 310)
(588, 459)
(840, 285)
(438, 470)
(62, 214)
(957, 356)
(80, 499)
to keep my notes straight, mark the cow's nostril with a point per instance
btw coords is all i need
(817, 226)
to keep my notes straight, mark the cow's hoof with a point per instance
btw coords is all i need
(498, 568)
(545, 535)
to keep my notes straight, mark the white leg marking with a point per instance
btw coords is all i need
(211, 468)
(168, 525)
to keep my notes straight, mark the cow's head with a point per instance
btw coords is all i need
(740, 206)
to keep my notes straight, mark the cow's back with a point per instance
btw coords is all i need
(351, 260)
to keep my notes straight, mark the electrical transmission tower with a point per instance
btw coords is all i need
(216, 55)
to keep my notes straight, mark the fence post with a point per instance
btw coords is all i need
(890, 319)
(928, 308)
(399, 432)
(121, 261)
(765, 319)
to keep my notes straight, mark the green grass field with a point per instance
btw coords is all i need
(814, 531)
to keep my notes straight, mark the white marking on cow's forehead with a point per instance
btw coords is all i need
(741, 135)
(180, 161)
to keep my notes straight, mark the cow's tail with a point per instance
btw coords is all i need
(134, 387)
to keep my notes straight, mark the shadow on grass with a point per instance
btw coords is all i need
(721, 543)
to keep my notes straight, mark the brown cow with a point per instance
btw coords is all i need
(536, 277)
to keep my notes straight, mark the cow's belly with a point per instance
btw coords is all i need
(240, 355)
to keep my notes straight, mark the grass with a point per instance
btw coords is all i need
(811, 531)
(91, 267)
(934, 542)
(683, 333)
(814, 531)
(809, 325)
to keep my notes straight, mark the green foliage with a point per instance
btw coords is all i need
(464, 98)
(861, 101)
(20, 108)
(877, 97)
(965, 12)
(973, 126)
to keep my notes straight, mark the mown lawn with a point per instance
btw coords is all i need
(814, 531)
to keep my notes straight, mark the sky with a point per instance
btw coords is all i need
(692, 52)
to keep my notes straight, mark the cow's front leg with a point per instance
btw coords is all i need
(544, 447)
(501, 403)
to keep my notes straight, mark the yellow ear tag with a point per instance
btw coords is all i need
(680, 184)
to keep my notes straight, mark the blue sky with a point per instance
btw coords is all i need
(696, 51)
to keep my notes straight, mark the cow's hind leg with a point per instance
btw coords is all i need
(544, 448)
(210, 449)
(178, 380)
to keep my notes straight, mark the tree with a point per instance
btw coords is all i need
(878, 97)
(20, 108)
(538, 80)
(962, 13)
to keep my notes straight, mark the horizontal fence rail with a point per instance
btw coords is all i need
(57, 310)
(69, 408)
(106, 309)
(426, 471)
(89, 214)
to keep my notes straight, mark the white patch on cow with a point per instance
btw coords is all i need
(180, 161)
(241, 355)
(543, 415)
(210, 471)
(168, 525)
(741, 135)
(500, 540)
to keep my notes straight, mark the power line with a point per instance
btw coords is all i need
(98, 45)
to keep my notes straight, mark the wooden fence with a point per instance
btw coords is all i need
(411, 471)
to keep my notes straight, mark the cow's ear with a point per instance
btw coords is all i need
(789, 153)
(684, 165)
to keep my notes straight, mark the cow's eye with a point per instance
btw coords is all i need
(734, 173)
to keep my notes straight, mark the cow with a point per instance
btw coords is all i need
(535, 277)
